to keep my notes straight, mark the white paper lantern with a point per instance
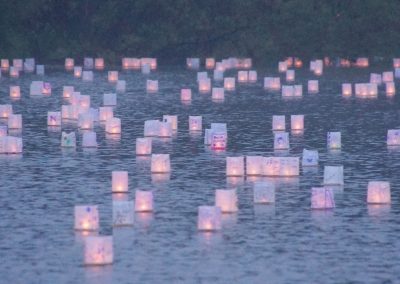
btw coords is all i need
(387, 76)
(396, 62)
(186, 94)
(69, 64)
(393, 137)
(290, 75)
(281, 166)
(318, 67)
(281, 141)
(67, 91)
(15, 92)
(165, 129)
(122, 213)
(40, 70)
(397, 73)
(10, 145)
(143, 146)
(243, 76)
(252, 76)
(110, 99)
(263, 192)
(313, 87)
(160, 163)
(5, 64)
(229, 84)
(362, 62)
(334, 140)
(298, 90)
(86, 218)
(235, 166)
(227, 200)
(152, 86)
(218, 140)
(297, 122)
(99, 63)
(333, 175)
(113, 125)
(54, 118)
(68, 139)
(14, 72)
(378, 192)
(87, 76)
(282, 67)
(112, 76)
(347, 89)
(145, 68)
(218, 75)
(98, 250)
(121, 86)
(390, 88)
(218, 94)
(209, 218)
(151, 128)
(322, 198)
(105, 113)
(120, 181)
(173, 119)
(254, 165)
(5, 111)
(202, 75)
(195, 123)
(15, 121)
(85, 121)
(272, 83)
(204, 85)
(278, 123)
(287, 91)
(89, 139)
(70, 112)
(193, 63)
(77, 71)
(375, 78)
(144, 201)
(210, 63)
(18, 64)
(310, 158)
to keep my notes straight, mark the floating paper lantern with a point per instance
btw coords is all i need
(195, 123)
(362, 62)
(14, 72)
(152, 86)
(393, 137)
(105, 113)
(5, 64)
(390, 88)
(10, 145)
(165, 129)
(122, 213)
(112, 76)
(204, 85)
(281, 141)
(289, 61)
(113, 125)
(39, 69)
(5, 111)
(68, 139)
(14, 121)
(235, 166)
(243, 76)
(297, 122)
(290, 75)
(99, 63)
(145, 68)
(85, 121)
(387, 76)
(263, 192)
(229, 83)
(144, 201)
(375, 78)
(396, 62)
(70, 112)
(333, 175)
(210, 63)
(378, 192)
(18, 64)
(87, 76)
(287, 91)
(69, 64)
(54, 118)
(254, 165)
(227, 200)
(89, 139)
(272, 83)
(15, 92)
(218, 94)
(121, 86)
(252, 76)
(46, 88)
(278, 123)
(98, 250)
(282, 67)
(67, 91)
(186, 94)
(347, 89)
(298, 90)
(281, 166)
(318, 67)
(143, 146)
(310, 158)
(334, 140)
(160, 163)
(77, 71)
(84, 102)
(3, 130)
(75, 98)
(313, 86)
(86, 218)
(209, 218)
(193, 63)
(322, 198)
(220, 67)
(110, 99)
(202, 75)
(298, 63)
(151, 128)
(120, 181)
(173, 119)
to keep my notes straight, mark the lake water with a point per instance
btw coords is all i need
(282, 243)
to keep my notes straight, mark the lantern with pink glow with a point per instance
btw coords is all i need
(347, 89)
(378, 192)
(186, 94)
(160, 163)
(84, 101)
(282, 67)
(46, 90)
(220, 67)
(209, 218)
(235, 166)
(105, 113)
(393, 137)
(165, 129)
(243, 76)
(297, 90)
(67, 91)
(227, 200)
(5, 111)
(375, 78)
(219, 140)
(77, 71)
(69, 112)
(289, 61)
(204, 85)
(120, 181)
(86, 218)
(263, 192)
(333, 175)
(272, 83)
(290, 75)
(112, 76)
(89, 139)
(151, 128)
(387, 76)
(98, 250)
(278, 123)
(143, 146)
(254, 165)
(121, 86)
(10, 145)
(322, 198)
(318, 67)
(210, 63)
(287, 91)
(152, 86)
(87, 76)
(99, 63)
(334, 140)
(15, 121)
(69, 64)
(5, 64)
(297, 122)
(298, 63)
(281, 141)
(313, 86)
(113, 125)
(68, 139)
(15, 92)
(85, 121)
(110, 99)
(218, 94)
(310, 158)
(54, 118)
(195, 123)
(362, 62)
(252, 76)
(229, 83)
(281, 166)
(14, 72)
(390, 88)
(173, 119)
(18, 64)
(122, 213)
(144, 201)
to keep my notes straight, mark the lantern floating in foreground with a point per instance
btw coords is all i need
(227, 200)
(235, 166)
(67, 91)
(113, 125)
(89, 139)
(378, 192)
(98, 250)
(347, 89)
(15, 92)
(143, 146)
(15, 121)
(164, 129)
(396, 62)
(195, 123)
(160, 163)
(362, 62)
(254, 165)
(10, 145)
(86, 217)
(297, 122)
(333, 175)
(209, 218)
(186, 94)
(313, 87)
(5, 111)
(68, 139)
(144, 201)
(322, 198)
(393, 137)
(278, 123)
(112, 76)
(122, 213)
(204, 85)
(120, 181)
(110, 99)
(334, 140)
(263, 192)
(281, 141)
(290, 75)
(310, 158)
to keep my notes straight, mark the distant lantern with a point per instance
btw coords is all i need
(298, 90)
(110, 99)
(310, 158)
(375, 78)
(298, 63)
(387, 77)
(89, 139)
(99, 63)
(112, 76)
(144, 201)
(164, 129)
(77, 71)
(67, 91)
(278, 123)
(5, 111)
(290, 75)
(322, 198)
(5, 64)
(46, 88)
(143, 146)
(151, 128)
(282, 67)
(98, 250)
(289, 61)
(15, 121)
(85, 121)
(87, 76)
(227, 200)
(210, 63)
(122, 213)
(18, 64)
(113, 125)
(54, 118)
(120, 181)
(252, 76)
(347, 89)
(218, 94)
(88, 63)
(229, 83)
(10, 145)
(145, 68)
(396, 62)
(69, 64)
(281, 166)
(186, 94)
(297, 122)
(204, 85)
(105, 113)
(390, 88)
(243, 76)
(254, 165)
(15, 92)
(152, 86)
(313, 86)
(84, 102)
(14, 72)
(318, 67)
(160, 163)
(393, 137)
(218, 140)
(193, 63)
(235, 166)
(378, 192)
(281, 141)
(263, 192)
(287, 91)
(334, 140)
(272, 83)
(362, 62)
(218, 75)
(173, 119)
(209, 218)
(86, 218)
(68, 139)
(333, 175)
(121, 86)
(195, 123)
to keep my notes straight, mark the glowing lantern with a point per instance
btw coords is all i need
(334, 140)
(282, 67)
(193, 63)
(67, 91)
(121, 86)
(152, 86)
(347, 89)
(252, 76)
(18, 64)
(318, 67)
(195, 123)
(313, 86)
(86, 217)
(310, 158)
(143, 146)
(254, 165)
(5, 111)
(378, 192)
(281, 166)
(113, 125)
(70, 112)
(327, 61)
(278, 122)
(387, 76)
(87, 76)
(209, 218)
(151, 128)
(165, 129)
(218, 140)
(89, 139)
(229, 83)
(287, 91)
(68, 139)
(235, 166)
(145, 68)
(112, 76)
(84, 101)
(152, 62)
(105, 113)
(393, 137)
(281, 141)
(289, 61)
(85, 121)
(15, 121)
(227, 200)
(372, 89)
(69, 64)
(3, 130)
(243, 76)
(15, 92)
(297, 122)
(298, 63)
(272, 83)
(10, 145)
(396, 62)
(110, 99)
(186, 94)
(5, 64)
(397, 72)
(218, 75)
(120, 181)
(144, 201)
(46, 88)
(333, 175)
(77, 71)
(14, 72)
(210, 63)
(218, 94)
(322, 198)
(160, 163)
(173, 119)
(54, 118)
(390, 88)
(375, 78)
(98, 250)
(99, 63)
(220, 67)
(264, 192)
(122, 213)
(290, 75)
(362, 62)
(204, 85)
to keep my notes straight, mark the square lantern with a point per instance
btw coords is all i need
(209, 218)
(120, 181)
(152, 86)
(75, 98)
(105, 113)
(282, 67)
(87, 76)
(375, 78)
(313, 86)
(112, 76)
(151, 128)
(85, 121)
(46, 88)
(362, 62)
(193, 63)
(160, 163)
(121, 86)
(298, 63)
(334, 140)
(86, 217)
(173, 119)
(67, 91)
(110, 99)
(84, 101)
(390, 88)
(219, 140)
(298, 90)
(289, 61)
(195, 123)
(3, 130)
(40, 70)
(218, 94)
(243, 76)
(144, 201)
(88, 63)
(15, 121)
(254, 165)
(204, 85)
(113, 125)
(210, 63)
(333, 175)
(68, 139)
(5, 64)
(69, 64)
(186, 94)
(318, 67)
(387, 76)
(14, 72)
(70, 112)
(372, 89)
(218, 75)
(229, 84)
(278, 123)
(165, 129)
(10, 145)
(220, 67)
(235, 166)
(202, 75)
(77, 71)
(263, 192)
(122, 213)
(89, 139)
(393, 137)
(322, 198)
(347, 89)
(5, 111)
(281, 141)
(396, 62)
(290, 75)
(99, 63)
(143, 146)
(297, 122)
(378, 192)
(15, 92)
(98, 250)
(252, 76)
(281, 166)
(310, 158)
(145, 68)
(287, 91)
(227, 200)
(18, 63)
(126, 63)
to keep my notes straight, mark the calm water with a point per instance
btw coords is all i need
(281, 243)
